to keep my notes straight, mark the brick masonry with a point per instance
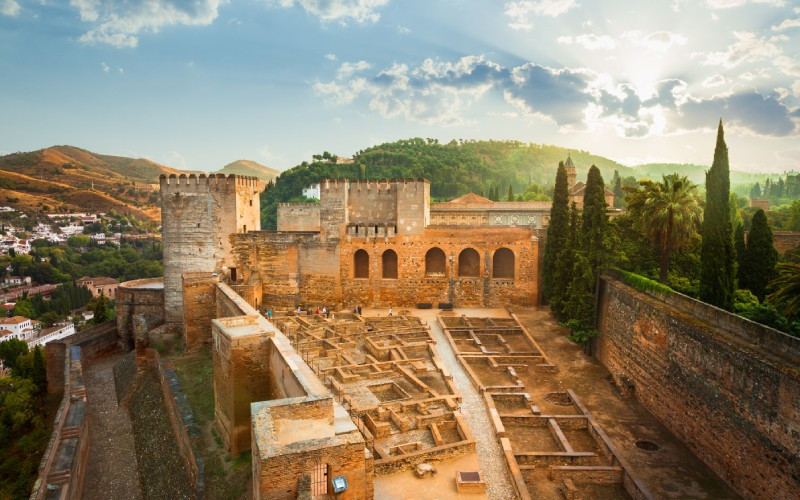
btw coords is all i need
(146, 297)
(728, 388)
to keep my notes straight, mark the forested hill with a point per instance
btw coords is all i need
(453, 169)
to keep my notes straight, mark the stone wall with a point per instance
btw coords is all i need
(727, 387)
(786, 240)
(145, 296)
(63, 465)
(198, 214)
(298, 217)
(200, 307)
(303, 268)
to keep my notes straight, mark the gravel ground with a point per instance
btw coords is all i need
(111, 471)
(490, 453)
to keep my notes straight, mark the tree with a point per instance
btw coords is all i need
(787, 289)
(10, 350)
(101, 309)
(760, 257)
(739, 247)
(755, 191)
(39, 375)
(673, 214)
(557, 230)
(510, 196)
(716, 254)
(594, 221)
(562, 276)
(619, 194)
(24, 308)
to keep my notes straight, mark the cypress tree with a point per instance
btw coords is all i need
(619, 194)
(755, 192)
(716, 255)
(557, 230)
(39, 370)
(595, 221)
(592, 258)
(739, 248)
(758, 267)
(562, 275)
(510, 196)
(101, 309)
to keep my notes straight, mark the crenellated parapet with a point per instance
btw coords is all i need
(219, 182)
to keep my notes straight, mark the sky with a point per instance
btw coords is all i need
(197, 84)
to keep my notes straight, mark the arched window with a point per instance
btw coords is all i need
(389, 265)
(469, 263)
(435, 263)
(503, 264)
(361, 264)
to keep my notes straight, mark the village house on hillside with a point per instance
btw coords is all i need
(106, 286)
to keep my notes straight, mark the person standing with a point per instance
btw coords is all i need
(390, 310)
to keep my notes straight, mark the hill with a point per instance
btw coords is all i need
(697, 173)
(455, 168)
(250, 168)
(66, 178)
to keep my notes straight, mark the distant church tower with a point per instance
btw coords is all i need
(198, 214)
(570, 171)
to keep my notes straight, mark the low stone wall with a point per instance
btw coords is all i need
(727, 387)
(96, 341)
(63, 466)
(146, 297)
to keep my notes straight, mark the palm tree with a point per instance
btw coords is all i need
(671, 213)
(787, 289)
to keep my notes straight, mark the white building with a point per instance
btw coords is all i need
(16, 327)
(312, 191)
(71, 230)
(17, 280)
(56, 332)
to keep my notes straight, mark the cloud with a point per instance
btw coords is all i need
(403, 30)
(714, 81)
(119, 22)
(361, 11)
(589, 41)
(657, 41)
(727, 4)
(106, 68)
(348, 68)
(747, 48)
(787, 24)
(330, 57)
(443, 92)
(9, 7)
(520, 11)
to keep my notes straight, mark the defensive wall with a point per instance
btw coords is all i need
(727, 387)
(63, 465)
(145, 297)
(198, 213)
(786, 240)
(480, 267)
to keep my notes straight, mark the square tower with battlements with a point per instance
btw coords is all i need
(198, 215)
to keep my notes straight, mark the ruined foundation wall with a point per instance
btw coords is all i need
(145, 296)
(735, 405)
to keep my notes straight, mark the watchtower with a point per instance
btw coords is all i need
(198, 214)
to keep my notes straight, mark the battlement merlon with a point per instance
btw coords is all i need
(194, 183)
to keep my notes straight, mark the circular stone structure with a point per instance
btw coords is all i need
(145, 296)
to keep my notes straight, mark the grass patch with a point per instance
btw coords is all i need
(642, 284)
(226, 477)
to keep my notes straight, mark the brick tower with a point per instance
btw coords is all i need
(198, 214)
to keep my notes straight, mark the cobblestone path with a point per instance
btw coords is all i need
(490, 453)
(111, 466)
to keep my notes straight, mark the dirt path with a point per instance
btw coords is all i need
(111, 466)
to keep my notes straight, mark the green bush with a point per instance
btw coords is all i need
(641, 283)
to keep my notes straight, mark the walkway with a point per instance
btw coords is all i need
(490, 453)
(111, 470)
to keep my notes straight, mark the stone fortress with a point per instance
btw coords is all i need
(330, 405)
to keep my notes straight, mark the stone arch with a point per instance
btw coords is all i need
(503, 264)
(361, 264)
(435, 262)
(469, 263)
(389, 265)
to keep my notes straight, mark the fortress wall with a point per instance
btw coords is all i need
(298, 217)
(144, 296)
(372, 202)
(736, 404)
(413, 286)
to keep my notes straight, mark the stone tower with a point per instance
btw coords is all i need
(198, 214)
(570, 172)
